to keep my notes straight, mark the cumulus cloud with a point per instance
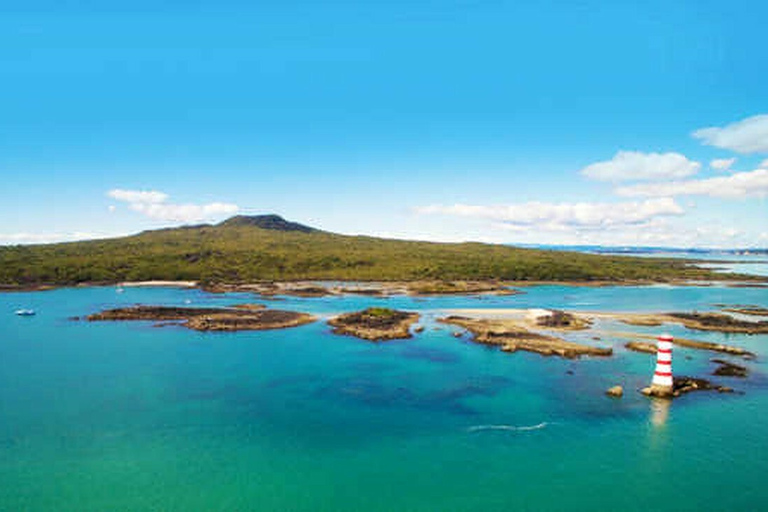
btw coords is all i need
(749, 135)
(736, 186)
(155, 205)
(638, 166)
(564, 216)
(722, 164)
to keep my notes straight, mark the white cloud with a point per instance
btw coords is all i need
(763, 164)
(749, 135)
(638, 166)
(736, 186)
(722, 164)
(154, 205)
(138, 196)
(184, 212)
(45, 238)
(564, 216)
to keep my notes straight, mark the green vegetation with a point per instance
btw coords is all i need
(243, 250)
(376, 312)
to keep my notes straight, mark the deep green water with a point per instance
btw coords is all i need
(126, 416)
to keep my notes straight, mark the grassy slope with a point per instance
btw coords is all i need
(241, 253)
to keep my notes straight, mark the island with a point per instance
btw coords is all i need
(375, 324)
(237, 318)
(261, 249)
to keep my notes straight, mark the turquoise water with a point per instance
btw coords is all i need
(126, 416)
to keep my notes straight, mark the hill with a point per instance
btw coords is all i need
(249, 249)
(274, 222)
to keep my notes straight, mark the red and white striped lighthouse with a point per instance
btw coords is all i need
(661, 385)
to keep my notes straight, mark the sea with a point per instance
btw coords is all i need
(129, 416)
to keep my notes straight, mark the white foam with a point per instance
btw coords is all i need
(479, 428)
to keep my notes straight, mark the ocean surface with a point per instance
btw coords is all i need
(722, 261)
(128, 416)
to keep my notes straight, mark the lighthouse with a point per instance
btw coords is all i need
(661, 385)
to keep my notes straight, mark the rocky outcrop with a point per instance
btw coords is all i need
(717, 322)
(237, 318)
(156, 313)
(249, 321)
(557, 319)
(641, 346)
(509, 336)
(650, 348)
(615, 392)
(375, 324)
(748, 310)
(682, 385)
(729, 369)
(720, 323)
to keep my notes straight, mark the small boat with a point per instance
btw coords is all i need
(25, 312)
(119, 289)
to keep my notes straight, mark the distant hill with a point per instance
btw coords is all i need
(268, 247)
(274, 222)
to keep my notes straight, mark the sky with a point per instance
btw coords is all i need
(548, 122)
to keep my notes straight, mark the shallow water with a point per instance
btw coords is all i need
(126, 416)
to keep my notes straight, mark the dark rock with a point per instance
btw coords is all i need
(729, 369)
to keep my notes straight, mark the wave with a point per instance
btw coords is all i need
(480, 428)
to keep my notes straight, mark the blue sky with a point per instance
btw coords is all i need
(510, 122)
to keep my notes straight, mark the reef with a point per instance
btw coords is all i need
(716, 322)
(650, 348)
(720, 323)
(237, 318)
(510, 336)
(375, 324)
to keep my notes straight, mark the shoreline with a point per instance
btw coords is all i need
(158, 284)
(416, 287)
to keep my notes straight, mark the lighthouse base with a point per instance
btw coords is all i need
(658, 391)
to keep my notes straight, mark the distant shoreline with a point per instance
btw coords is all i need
(383, 288)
